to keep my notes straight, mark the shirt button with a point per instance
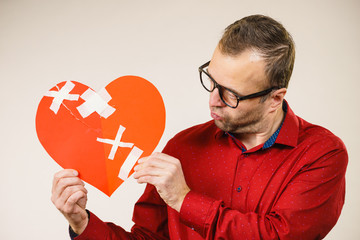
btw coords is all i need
(238, 189)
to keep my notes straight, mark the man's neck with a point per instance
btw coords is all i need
(266, 130)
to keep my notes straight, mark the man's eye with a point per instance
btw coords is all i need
(229, 95)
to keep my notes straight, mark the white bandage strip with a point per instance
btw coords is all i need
(96, 102)
(116, 143)
(130, 161)
(61, 95)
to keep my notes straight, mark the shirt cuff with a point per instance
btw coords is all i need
(73, 234)
(94, 227)
(197, 211)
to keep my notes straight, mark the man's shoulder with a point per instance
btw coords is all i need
(194, 137)
(319, 148)
(301, 133)
(317, 134)
(200, 130)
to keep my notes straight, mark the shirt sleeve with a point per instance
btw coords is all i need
(150, 218)
(306, 208)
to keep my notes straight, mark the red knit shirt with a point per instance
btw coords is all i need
(291, 189)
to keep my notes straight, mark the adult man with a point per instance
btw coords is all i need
(256, 171)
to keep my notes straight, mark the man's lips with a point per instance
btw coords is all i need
(215, 116)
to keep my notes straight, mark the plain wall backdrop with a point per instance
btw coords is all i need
(94, 42)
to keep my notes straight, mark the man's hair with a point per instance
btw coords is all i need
(267, 37)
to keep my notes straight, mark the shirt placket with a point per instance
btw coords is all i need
(243, 174)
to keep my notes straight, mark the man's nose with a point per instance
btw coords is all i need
(215, 100)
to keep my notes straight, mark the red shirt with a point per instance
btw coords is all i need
(292, 189)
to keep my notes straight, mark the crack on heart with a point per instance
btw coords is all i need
(72, 114)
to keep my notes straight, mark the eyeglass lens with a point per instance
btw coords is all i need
(226, 96)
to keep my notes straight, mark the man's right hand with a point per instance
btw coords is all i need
(70, 196)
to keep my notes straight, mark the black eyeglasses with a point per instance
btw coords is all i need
(229, 97)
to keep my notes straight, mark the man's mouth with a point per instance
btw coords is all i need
(215, 116)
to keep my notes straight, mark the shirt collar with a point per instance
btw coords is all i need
(271, 141)
(289, 132)
(219, 133)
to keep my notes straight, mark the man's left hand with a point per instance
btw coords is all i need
(165, 173)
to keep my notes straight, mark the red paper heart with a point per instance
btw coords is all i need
(102, 145)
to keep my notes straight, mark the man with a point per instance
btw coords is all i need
(256, 171)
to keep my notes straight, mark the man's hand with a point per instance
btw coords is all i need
(70, 196)
(165, 173)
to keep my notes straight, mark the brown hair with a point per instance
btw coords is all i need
(269, 38)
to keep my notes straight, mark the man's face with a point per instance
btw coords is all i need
(244, 74)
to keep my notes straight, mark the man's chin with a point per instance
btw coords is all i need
(222, 126)
(234, 129)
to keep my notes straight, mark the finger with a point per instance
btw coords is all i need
(65, 182)
(157, 182)
(72, 202)
(76, 197)
(154, 162)
(143, 159)
(147, 179)
(165, 157)
(82, 201)
(62, 174)
(61, 200)
(149, 171)
(155, 155)
(154, 166)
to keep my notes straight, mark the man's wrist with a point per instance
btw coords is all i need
(177, 206)
(81, 225)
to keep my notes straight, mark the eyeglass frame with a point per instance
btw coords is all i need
(238, 97)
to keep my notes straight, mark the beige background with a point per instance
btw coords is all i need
(45, 42)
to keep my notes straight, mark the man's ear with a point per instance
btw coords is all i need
(277, 98)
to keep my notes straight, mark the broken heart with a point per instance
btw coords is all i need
(101, 134)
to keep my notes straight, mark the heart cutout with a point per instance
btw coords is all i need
(101, 134)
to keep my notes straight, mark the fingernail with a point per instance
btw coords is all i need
(75, 173)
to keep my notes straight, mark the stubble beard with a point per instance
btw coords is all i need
(243, 123)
